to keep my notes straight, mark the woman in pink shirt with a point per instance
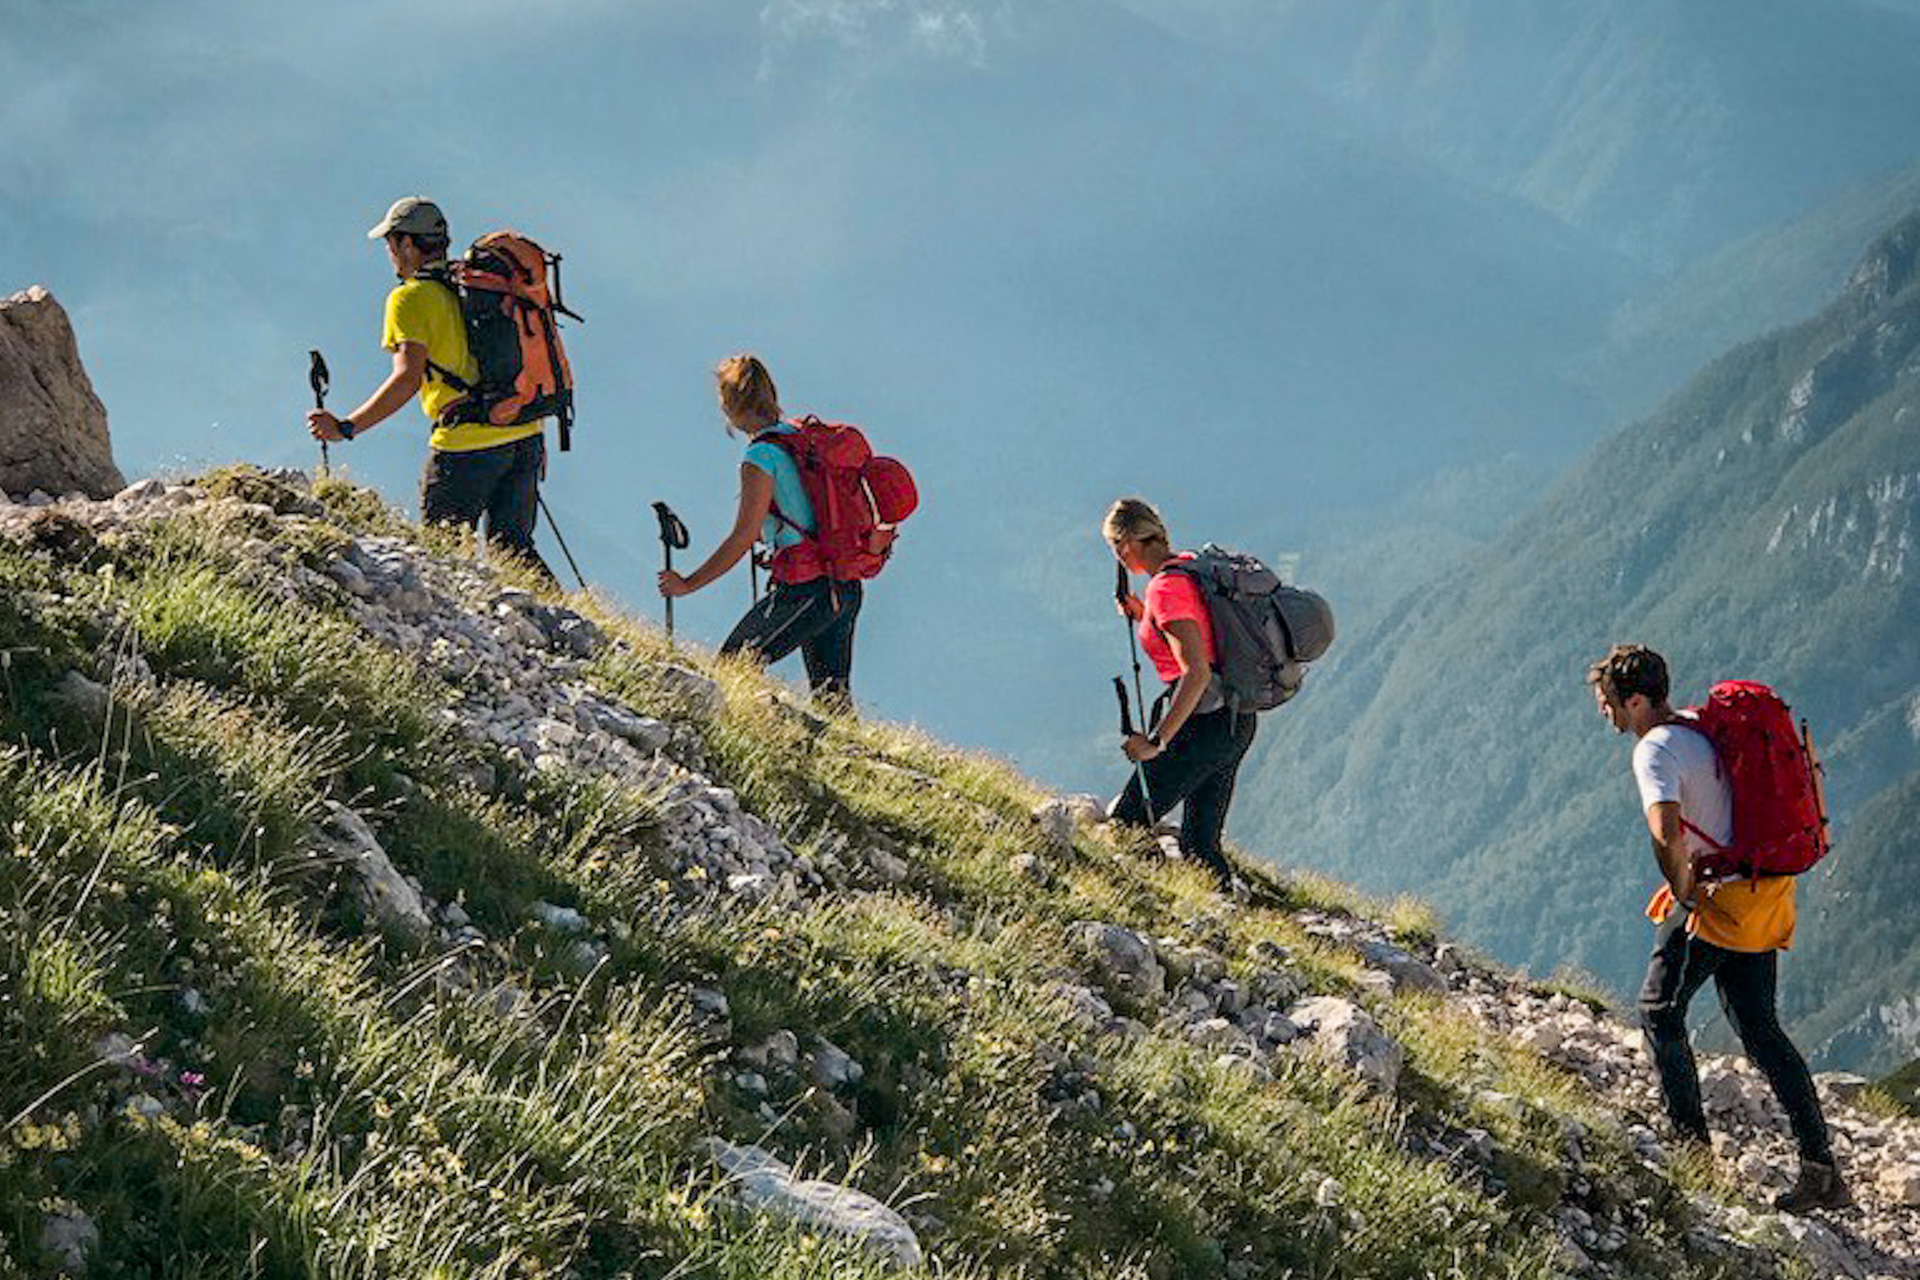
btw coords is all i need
(1191, 755)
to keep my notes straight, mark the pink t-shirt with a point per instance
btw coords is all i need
(1174, 597)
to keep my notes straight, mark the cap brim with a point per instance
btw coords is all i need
(380, 232)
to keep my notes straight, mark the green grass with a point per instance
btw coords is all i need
(1898, 1094)
(340, 1103)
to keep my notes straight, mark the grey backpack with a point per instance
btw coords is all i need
(1266, 631)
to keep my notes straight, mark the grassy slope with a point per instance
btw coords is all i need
(329, 1108)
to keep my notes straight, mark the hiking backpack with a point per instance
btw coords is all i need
(1779, 804)
(1265, 631)
(509, 292)
(858, 497)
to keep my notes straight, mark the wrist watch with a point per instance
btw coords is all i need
(346, 428)
(1154, 738)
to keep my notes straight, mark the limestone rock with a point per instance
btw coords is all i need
(1344, 1034)
(763, 1183)
(1901, 1184)
(1124, 960)
(53, 428)
(1055, 819)
(778, 1052)
(1090, 811)
(1085, 1005)
(89, 697)
(833, 1067)
(69, 1237)
(1820, 1246)
(691, 692)
(1407, 971)
(383, 893)
(1842, 1086)
(1028, 867)
(558, 919)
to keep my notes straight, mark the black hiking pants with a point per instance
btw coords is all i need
(1747, 982)
(501, 483)
(1196, 771)
(817, 618)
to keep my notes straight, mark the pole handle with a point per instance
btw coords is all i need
(317, 377)
(1126, 711)
(673, 532)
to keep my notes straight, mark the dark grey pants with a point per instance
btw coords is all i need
(1748, 984)
(1196, 771)
(817, 618)
(501, 483)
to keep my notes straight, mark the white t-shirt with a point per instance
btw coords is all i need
(1676, 763)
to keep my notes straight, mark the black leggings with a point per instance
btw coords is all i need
(1198, 768)
(814, 617)
(501, 483)
(1747, 981)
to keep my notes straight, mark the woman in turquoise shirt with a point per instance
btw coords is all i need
(816, 617)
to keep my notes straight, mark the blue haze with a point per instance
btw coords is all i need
(1348, 280)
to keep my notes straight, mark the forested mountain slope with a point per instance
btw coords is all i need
(1762, 524)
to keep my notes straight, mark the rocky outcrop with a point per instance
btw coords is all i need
(53, 428)
(1890, 265)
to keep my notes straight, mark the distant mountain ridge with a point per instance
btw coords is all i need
(1761, 523)
(1665, 128)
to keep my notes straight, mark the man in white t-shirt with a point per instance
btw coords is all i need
(1732, 931)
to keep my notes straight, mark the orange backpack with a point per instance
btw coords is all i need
(511, 313)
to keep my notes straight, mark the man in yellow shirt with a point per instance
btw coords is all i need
(474, 469)
(1732, 931)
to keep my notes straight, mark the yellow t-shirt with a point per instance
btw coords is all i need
(1739, 915)
(426, 312)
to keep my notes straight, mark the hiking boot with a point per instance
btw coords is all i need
(1819, 1187)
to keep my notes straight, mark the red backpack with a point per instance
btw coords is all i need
(858, 499)
(1779, 805)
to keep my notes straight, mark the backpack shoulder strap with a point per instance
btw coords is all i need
(784, 441)
(1183, 567)
(443, 275)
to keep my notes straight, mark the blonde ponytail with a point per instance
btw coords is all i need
(1135, 519)
(747, 390)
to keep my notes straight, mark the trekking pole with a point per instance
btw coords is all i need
(1126, 731)
(673, 536)
(318, 379)
(562, 541)
(1120, 593)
